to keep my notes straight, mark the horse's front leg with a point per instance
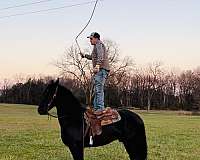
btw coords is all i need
(77, 151)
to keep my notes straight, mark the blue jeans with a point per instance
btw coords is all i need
(99, 82)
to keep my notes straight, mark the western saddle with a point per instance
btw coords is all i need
(96, 119)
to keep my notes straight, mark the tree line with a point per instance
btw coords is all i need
(152, 91)
(155, 90)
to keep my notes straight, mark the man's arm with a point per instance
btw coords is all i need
(88, 56)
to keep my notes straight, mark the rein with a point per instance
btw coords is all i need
(50, 103)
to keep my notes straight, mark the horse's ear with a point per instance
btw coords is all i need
(57, 81)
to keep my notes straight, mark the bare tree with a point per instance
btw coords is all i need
(170, 89)
(154, 80)
(72, 65)
(197, 89)
(187, 86)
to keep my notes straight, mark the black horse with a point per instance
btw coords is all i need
(129, 130)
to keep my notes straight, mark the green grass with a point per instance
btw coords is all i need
(25, 135)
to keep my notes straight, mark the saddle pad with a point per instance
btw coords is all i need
(106, 116)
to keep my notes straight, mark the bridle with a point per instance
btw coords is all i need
(50, 103)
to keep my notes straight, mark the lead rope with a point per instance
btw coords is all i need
(76, 39)
(83, 134)
(79, 48)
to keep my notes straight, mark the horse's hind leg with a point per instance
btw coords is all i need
(130, 149)
(77, 152)
(135, 150)
(136, 147)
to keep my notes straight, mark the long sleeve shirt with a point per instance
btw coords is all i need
(99, 56)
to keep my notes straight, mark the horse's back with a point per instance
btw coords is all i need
(131, 117)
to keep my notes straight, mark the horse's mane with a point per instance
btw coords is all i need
(73, 100)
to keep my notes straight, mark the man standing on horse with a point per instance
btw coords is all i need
(101, 69)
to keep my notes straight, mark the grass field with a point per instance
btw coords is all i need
(25, 135)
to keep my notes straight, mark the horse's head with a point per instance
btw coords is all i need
(48, 98)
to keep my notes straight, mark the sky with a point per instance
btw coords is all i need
(148, 31)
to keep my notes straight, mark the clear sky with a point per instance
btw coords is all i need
(147, 30)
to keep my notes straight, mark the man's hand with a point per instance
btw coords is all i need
(96, 69)
(82, 55)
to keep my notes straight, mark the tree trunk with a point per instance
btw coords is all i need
(164, 100)
(149, 102)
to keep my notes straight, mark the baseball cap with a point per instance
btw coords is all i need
(95, 35)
